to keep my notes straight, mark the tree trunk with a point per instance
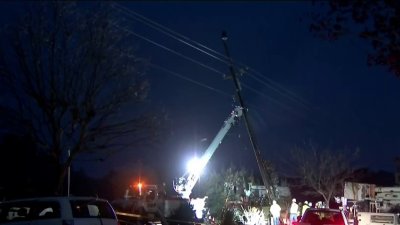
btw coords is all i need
(326, 203)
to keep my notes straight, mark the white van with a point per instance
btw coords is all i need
(57, 211)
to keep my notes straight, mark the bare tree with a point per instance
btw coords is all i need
(69, 75)
(324, 170)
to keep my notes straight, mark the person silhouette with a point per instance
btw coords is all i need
(294, 210)
(275, 211)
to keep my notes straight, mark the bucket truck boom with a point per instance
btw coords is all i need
(185, 184)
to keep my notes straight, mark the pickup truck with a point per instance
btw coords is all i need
(323, 216)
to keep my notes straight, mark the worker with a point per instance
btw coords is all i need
(305, 207)
(300, 211)
(275, 211)
(294, 210)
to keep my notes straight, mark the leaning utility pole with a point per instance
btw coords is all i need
(254, 145)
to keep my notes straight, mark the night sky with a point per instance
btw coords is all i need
(326, 92)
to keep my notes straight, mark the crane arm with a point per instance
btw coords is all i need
(186, 183)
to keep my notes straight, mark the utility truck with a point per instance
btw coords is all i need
(185, 184)
(373, 205)
(146, 201)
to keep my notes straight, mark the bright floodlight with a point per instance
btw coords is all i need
(194, 166)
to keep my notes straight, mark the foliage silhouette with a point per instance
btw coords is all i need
(73, 82)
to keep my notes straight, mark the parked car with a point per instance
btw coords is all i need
(323, 216)
(58, 211)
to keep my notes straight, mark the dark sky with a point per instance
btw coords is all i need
(327, 93)
(347, 103)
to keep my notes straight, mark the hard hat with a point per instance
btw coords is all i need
(294, 200)
(306, 202)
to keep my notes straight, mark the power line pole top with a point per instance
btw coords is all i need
(224, 36)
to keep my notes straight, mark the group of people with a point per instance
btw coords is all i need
(281, 217)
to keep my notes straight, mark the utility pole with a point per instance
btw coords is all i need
(236, 82)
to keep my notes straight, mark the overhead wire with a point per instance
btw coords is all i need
(188, 79)
(199, 63)
(185, 40)
(305, 105)
(292, 94)
(169, 49)
(150, 23)
(268, 97)
(169, 32)
(183, 77)
(173, 73)
(253, 74)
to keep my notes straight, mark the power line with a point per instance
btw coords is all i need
(266, 96)
(188, 79)
(213, 69)
(185, 40)
(199, 63)
(291, 94)
(161, 68)
(169, 32)
(216, 89)
(207, 86)
(303, 104)
(170, 50)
